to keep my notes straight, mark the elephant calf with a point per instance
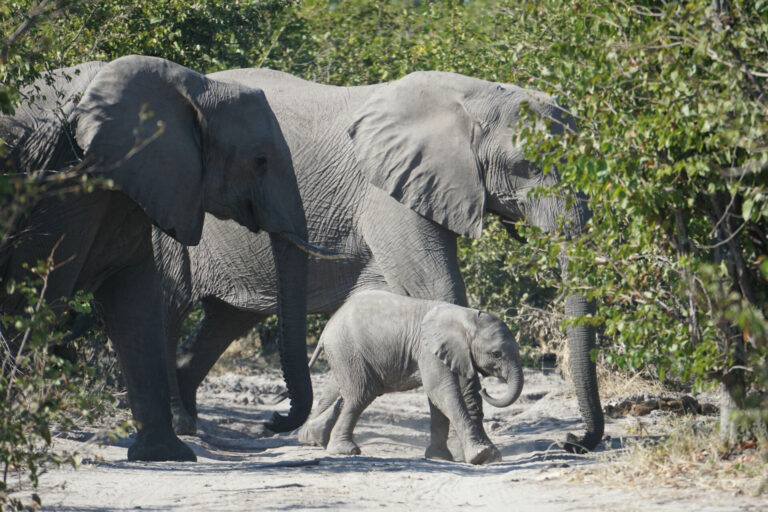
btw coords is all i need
(379, 342)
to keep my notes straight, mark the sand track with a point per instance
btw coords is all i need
(239, 469)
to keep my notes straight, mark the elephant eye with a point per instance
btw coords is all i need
(496, 354)
(260, 161)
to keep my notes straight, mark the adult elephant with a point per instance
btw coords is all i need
(390, 175)
(176, 144)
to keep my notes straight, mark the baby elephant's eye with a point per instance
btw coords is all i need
(260, 161)
(496, 354)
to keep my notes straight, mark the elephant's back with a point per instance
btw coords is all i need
(372, 317)
(57, 93)
(35, 135)
(376, 333)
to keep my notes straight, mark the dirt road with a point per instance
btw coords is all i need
(238, 469)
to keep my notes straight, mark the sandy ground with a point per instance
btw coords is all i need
(240, 469)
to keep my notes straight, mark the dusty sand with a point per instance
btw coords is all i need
(240, 469)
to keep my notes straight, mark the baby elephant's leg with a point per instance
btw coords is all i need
(470, 390)
(439, 426)
(317, 430)
(342, 441)
(444, 392)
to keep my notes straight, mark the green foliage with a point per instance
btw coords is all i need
(504, 277)
(38, 388)
(207, 35)
(23, 57)
(672, 150)
(362, 42)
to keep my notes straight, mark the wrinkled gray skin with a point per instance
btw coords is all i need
(220, 151)
(390, 175)
(379, 342)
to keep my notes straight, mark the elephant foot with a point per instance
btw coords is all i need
(455, 447)
(313, 433)
(580, 446)
(187, 392)
(155, 447)
(439, 453)
(343, 447)
(317, 431)
(482, 454)
(183, 422)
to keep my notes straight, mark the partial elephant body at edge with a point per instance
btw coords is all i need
(176, 144)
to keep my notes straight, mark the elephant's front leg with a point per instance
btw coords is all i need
(439, 426)
(183, 422)
(130, 303)
(418, 259)
(444, 392)
(470, 391)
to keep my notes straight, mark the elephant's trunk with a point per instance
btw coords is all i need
(581, 341)
(514, 380)
(291, 264)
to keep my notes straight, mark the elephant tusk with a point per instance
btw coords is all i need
(311, 249)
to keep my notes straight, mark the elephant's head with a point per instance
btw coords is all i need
(448, 147)
(179, 144)
(469, 341)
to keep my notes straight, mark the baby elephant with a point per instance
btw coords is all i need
(379, 342)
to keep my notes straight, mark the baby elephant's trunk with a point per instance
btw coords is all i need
(514, 380)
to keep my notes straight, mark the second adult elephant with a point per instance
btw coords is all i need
(176, 144)
(390, 175)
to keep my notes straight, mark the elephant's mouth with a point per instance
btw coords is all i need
(312, 249)
(253, 218)
(509, 225)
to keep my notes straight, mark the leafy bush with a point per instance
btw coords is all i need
(672, 151)
(206, 35)
(38, 388)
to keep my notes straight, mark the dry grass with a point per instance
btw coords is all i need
(612, 383)
(246, 356)
(691, 455)
(541, 327)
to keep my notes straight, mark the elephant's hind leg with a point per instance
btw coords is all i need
(221, 325)
(342, 440)
(317, 430)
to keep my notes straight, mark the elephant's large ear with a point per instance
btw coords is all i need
(413, 138)
(139, 124)
(447, 331)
